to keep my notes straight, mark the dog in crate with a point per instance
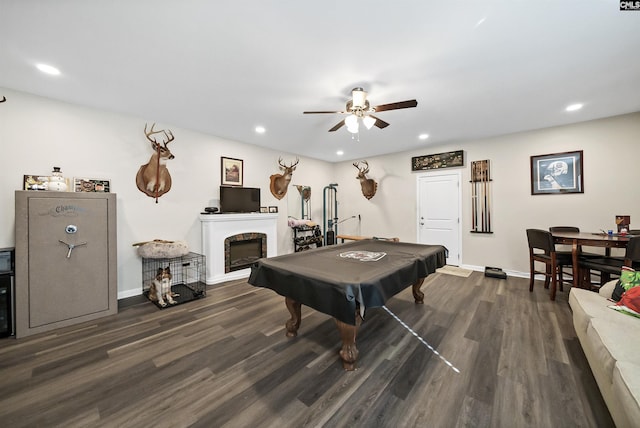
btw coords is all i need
(160, 288)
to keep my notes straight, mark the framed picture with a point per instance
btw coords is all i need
(623, 222)
(91, 185)
(557, 173)
(273, 209)
(264, 210)
(232, 171)
(437, 161)
(34, 182)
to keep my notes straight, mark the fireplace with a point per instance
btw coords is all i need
(241, 250)
(220, 235)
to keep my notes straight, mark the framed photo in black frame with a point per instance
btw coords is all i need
(557, 173)
(232, 171)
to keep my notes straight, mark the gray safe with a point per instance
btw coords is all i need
(65, 259)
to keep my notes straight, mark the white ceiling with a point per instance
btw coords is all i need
(477, 68)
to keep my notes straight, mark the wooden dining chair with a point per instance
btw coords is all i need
(613, 265)
(563, 251)
(542, 249)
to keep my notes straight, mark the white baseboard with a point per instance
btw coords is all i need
(513, 273)
(129, 293)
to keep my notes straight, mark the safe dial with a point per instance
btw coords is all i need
(72, 228)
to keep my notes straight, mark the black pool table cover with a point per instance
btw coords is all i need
(328, 280)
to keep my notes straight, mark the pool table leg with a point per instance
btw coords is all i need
(349, 352)
(417, 294)
(293, 324)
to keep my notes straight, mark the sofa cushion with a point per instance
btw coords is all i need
(610, 339)
(586, 304)
(626, 386)
(607, 289)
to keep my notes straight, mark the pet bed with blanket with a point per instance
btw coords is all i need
(161, 249)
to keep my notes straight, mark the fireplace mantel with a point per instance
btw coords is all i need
(217, 227)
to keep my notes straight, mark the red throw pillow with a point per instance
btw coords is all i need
(631, 299)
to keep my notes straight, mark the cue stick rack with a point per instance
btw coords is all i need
(480, 197)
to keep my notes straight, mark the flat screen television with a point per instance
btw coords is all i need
(239, 199)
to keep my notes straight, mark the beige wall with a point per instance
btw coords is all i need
(611, 148)
(37, 133)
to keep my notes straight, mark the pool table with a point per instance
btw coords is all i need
(345, 280)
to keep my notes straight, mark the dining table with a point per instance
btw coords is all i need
(597, 239)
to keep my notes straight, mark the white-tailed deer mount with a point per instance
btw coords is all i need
(305, 192)
(280, 182)
(153, 178)
(368, 185)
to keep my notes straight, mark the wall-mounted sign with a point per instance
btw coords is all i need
(440, 160)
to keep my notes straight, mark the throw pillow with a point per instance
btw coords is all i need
(629, 303)
(629, 278)
(618, 291)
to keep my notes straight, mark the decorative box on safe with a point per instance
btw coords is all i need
(187, 276)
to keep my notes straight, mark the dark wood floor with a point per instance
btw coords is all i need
(224, 361)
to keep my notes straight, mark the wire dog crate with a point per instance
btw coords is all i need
(187, 277)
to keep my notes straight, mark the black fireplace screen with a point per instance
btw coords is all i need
(244, 249)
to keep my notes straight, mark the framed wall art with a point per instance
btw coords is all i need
(91, 185)
(34, 182)
(557, 173)
(437, 161)
(232, 171)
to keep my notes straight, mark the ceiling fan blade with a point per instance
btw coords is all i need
(338, 126)
(379, 122)
(396, 106)
(322, 112)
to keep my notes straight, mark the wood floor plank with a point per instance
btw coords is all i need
(224, 360)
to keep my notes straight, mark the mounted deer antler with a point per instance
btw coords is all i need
(280, 182)
(153, 178)
(3, 99)
(368, 185)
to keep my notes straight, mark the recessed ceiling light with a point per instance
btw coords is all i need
(423, 136)
(339, 152)
(260, 129)
(49, 69)
(574, 107)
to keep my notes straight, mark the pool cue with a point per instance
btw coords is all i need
(473, 196)
(489, 209)
(473, 205)
(481, 208)
(488, 198)
(486, 207)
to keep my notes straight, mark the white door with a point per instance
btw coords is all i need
(439, 200)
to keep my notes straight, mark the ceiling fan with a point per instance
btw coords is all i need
(358, 108)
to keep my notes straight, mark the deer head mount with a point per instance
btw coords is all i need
(368, 185)
(305, 192)
(280, 182)
(153, 178)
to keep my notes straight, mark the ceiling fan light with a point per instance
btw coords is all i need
(351, 121)
(368, 121)
(352, 124)
(359, 97)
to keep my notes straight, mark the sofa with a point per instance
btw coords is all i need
(611, 343)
